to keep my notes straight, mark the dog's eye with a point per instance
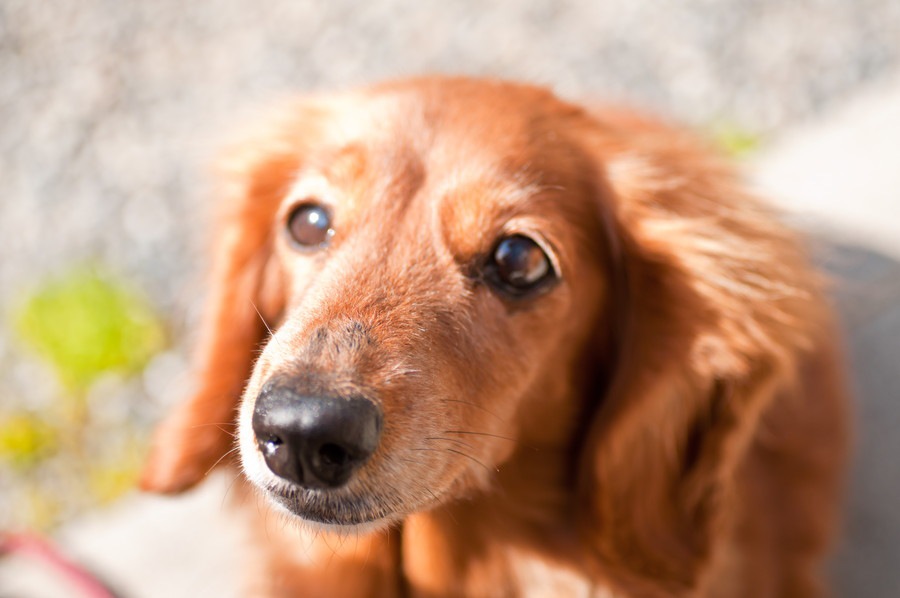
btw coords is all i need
(519, 265)
(310, 225)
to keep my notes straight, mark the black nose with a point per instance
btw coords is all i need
(316, 442)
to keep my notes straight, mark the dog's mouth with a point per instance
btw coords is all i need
(321, 507)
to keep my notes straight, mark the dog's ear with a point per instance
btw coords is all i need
(714, 303)
(245, 293)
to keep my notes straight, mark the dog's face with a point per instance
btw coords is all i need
(441, 261)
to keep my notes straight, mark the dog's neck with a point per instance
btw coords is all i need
(492, 543)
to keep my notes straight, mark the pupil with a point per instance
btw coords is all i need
(520, 261)
(310, 225)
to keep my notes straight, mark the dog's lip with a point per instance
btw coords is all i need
(350, 513)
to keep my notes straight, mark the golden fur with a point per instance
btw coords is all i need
(667, 420)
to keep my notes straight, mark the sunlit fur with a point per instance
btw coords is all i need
(667, 419)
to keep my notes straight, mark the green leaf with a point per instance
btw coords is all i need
(85, 324)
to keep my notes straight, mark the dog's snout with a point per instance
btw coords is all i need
(316, 442)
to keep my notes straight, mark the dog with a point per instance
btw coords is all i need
(492, 343)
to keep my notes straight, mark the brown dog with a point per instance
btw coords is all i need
(516, 349)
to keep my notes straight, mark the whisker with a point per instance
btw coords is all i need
(219, 460)
(234, 435)
(265, 518)
(368, 550)
(219, 426)
(450, 450)
(228, 490)
(312, 542)
(431, 492)
(453, 440)
(266, 324)
(332, 548)
(437, 501)
(479, 434)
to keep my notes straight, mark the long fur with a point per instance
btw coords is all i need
(667, 420)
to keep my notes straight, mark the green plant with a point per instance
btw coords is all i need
(84, 325)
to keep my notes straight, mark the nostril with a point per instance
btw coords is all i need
(280, 457)
(334, 455)
(269, 445)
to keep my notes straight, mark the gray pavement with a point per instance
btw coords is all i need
(841, 176)
(869, 294)
(145, 547)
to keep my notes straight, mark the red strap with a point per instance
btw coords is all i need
(34, 546)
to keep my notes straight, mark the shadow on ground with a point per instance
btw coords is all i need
(867, 291)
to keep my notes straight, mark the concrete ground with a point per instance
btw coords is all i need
(838, 176)
(841, 176)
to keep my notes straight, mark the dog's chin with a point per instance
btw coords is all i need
(337, 515)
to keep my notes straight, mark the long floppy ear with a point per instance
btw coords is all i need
(246, 289)
(716, 305)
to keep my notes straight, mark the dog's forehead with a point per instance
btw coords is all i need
(465, 154)
(455, 119)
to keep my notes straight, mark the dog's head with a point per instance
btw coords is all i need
(441, 272)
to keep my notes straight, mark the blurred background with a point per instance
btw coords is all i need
(111, 111)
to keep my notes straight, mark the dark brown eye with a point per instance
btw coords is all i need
(519, 265)
(310, 225)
